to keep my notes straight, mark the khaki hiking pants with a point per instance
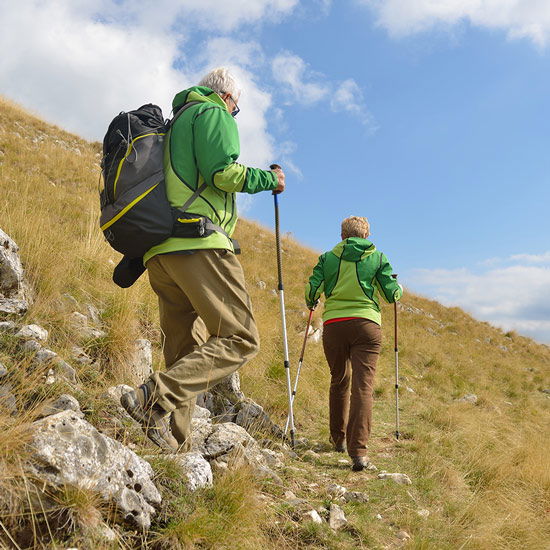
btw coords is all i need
(208, 325)
(352, 348)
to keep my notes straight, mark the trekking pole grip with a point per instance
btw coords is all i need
(275, 167)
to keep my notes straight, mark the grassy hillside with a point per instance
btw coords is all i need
(482, 470)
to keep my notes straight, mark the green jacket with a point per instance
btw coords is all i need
(352, 275)
(203, 145)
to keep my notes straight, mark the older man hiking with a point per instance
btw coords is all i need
(351, 276)
(205, 311)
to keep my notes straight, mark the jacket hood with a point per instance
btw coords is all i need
(197, 93)
(353, 249)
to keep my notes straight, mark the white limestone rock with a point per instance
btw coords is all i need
(64, 402)
(201, 412)
(195, 468)
(313, 516)
(141, 363)
(32, 332)
(337, 518)
(468, 398)
(402, 479)
(69, 450)
(13, 292)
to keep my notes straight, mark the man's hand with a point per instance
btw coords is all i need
(280, 178)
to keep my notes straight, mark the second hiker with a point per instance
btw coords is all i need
(205, 311)
(351, 276)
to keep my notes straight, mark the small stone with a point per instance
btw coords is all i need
(409, 389)
(312, 455)
(44, 356)
(7, 326)
(31, 346)
(402, 479)
(8, 403)
(423, 513)
(273, 459)
(336, 490)
(93, 314)
(197, 470)
(50, 378)
(261, 285)
(64, 402)
(343, 461)
(201, 412)
(141, 364)
(293, 500)
(468, 398)
(337, 518)
(80, 357)
(34, 332)
(355, 496)
(3, 370)
(402, 535)
(545, 391)
(313, 516)
(378, 516)
(66, 371)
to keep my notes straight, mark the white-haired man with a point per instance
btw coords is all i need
(205, 310)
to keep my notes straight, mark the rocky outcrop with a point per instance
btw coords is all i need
(13, 291)
(69, 450)
(227, 403)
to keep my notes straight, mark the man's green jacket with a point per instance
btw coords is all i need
(203, 146)
(352, 275)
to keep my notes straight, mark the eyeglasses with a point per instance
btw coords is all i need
(236, 110)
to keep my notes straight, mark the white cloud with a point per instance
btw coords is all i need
(519, 18)
(543, 258)
(348, 97)
(301, 84)
(515, 296)
(95, 58)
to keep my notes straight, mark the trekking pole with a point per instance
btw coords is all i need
(300, 361)
(283, 317)
(396, 349)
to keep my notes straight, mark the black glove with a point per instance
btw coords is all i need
(128, 271)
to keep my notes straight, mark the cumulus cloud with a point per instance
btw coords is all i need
(348, 97)
(514, 295)
(518, 18)
(306, 87)
(303, 85)
(95, 58)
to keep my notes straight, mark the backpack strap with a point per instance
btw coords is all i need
(209, 225)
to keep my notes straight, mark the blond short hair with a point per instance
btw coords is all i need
(355, 226)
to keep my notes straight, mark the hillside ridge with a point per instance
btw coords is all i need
(473, 463)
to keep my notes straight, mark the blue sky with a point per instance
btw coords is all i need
(429, 118)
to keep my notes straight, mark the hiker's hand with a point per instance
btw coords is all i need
(313, 306)
(280, 178)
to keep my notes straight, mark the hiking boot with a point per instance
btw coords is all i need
(359, 463)
(154, 420)
(340, 448)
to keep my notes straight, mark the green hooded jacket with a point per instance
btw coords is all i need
(203, 145)
(352, 275)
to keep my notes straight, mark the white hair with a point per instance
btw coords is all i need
(221, 81)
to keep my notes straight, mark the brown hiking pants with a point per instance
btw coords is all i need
(352, 348)
(208, 326)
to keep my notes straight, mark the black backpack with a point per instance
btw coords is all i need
(135, 212)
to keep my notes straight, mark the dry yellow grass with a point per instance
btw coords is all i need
(483, 470)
